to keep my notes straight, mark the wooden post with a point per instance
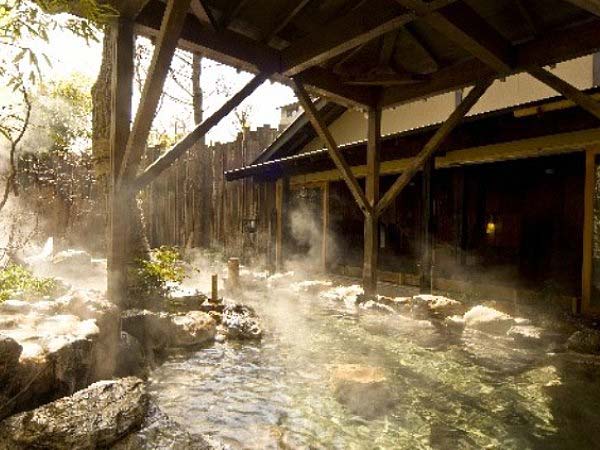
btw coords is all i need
(371, 225)
(279, 202)
(325, 224)
(588, 229)
(123, 43)
(214, 292)
(426, 227)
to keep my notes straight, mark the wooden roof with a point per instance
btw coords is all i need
(385, 52)
(543, 118)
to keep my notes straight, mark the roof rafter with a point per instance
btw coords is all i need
(592, 6)
(466, 28)
(284, 18)
(550, 48)
(361, 25)
(203, 13)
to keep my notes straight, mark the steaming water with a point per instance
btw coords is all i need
(472, 391)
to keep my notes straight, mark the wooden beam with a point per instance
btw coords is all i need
(281, 190)
(361, 25)
(553, 47)
(385, 79)
(168, 158)
(284, 18)
(388, 45)
(166, 44)
(433, 144)
(203, 13)
(232, 12)
(588, 229)
(325, 188)
(592, 6)
(371, 225)
(321, 128)
(465, 27)
(123, 48)
(566, 89)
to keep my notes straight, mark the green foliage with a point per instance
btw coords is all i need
(156, 276)
(18, 282)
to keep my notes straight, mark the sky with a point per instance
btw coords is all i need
(70, 54)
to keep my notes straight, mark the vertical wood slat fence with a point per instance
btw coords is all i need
(191, 204)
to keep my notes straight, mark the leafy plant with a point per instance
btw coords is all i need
(157, 275)
(18, 282)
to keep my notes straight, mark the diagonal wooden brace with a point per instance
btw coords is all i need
(321, 128)
(168, 158)
(432, 145)
(569, 91)
(166, 44)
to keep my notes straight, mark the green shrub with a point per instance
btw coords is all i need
(155, 276)
(18, 282)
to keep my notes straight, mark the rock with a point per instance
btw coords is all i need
(584, 341)
(130, 359)
(311, 286)
(399, 304)
(347, 294)
(454, 324)
(436, 306)
(14, 307)
(158, 431)
(241, 322)
(95, 417)
(527, 334)
(193, 328)
(71, 259)
(363, 390)
(10, 351)
(372, 305)
(489, 320)
(151, 329)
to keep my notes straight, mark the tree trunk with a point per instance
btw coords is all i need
(137, 244)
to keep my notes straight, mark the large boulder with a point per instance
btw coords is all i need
(151, 329)
(488, 320)
(585, 341)
(364, 390)
(193, 328)
(95, 417)
(241, 322)
(130, 359)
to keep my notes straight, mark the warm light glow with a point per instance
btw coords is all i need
(490, 228)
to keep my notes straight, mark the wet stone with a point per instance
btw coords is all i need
(585, 341)
(241, 322)
(488, 320)
(95, 417)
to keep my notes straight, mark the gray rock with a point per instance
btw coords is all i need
(10, 350)
(95, 417)
(489, 320)
(158, 431)
(151, 329)
(436, 306)
(527, 335)
(584, 341)
(14, 307)
(241, 322)
(193, 328)
(131, 359)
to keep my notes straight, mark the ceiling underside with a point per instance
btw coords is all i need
(369, 52)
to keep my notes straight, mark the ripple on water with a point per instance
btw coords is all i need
(474, 391)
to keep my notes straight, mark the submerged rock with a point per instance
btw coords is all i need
(528, 334)
(241, 322)
(193, 328)
(489, 320)
(585, 341)
(158, 431)
(364, 390)
(95, 417)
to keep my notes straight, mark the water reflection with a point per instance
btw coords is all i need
(452, 392)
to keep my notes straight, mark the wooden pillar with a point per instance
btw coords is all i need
(280, 194)
(123, 43)
(588, 229)
(325, 230)
(371, 224)
(426, 226)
